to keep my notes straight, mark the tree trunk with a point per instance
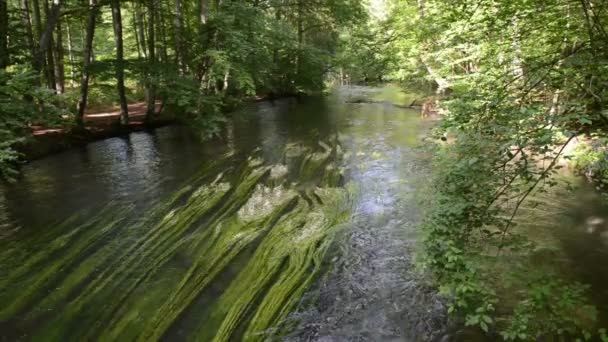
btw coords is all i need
(27, 23)
(300, 32)
(162, 34)
(180, 50)
(50, 58)
(226, 79)
(275, 51)
(136, 35)
(4, 55)
(141, 30)
(45, 37)
(71, 56)
(120, 71)
(37, 60)
(516, 64)
(88, 50)
(204, 41)
(59, 67)
(37, 19)
(204, 16)
(151, 91)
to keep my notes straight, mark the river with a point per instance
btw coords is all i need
(299, 224)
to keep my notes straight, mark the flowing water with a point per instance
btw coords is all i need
(298, 225)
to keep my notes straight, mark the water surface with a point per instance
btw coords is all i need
(299, 224)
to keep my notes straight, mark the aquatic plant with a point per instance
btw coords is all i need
(107, 276)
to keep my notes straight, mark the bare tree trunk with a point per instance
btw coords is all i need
(38, 62)
(71, 55)
(516, 63)
(141, 30)
(275, 52)
(150, 89)
(45, 37)
(226, 79)
(136, 33)
(300, 24)
(88, 49)
(162, 34)
(27, 23)
(180, 50)
(59, 67)
(4, 55)
(120, 71)
(204, 41)
(50, 59)
(204, 15)
(37, 19)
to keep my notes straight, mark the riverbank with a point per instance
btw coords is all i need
(99, 124)
(104, 123)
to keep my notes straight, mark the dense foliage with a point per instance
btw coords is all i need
(520, 81)
(196, 57)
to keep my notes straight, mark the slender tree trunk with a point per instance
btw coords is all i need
(4, 55)
(71, 55)
(162, 34)
(203, 16)
(27, 23)
(88, 50)
(38, 62)
(300, 23)
(226, 79)
(59, 66)
(180, 50)
(275, 51)
(516, 63)
(37, 19)
(45, 38)
(204, 41)
(50, 58)
(151, 91)
(120, 71)
(141, 29)
(136, 33)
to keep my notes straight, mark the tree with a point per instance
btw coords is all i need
(4, 55)
(151, 87)
(59, 56)
(45, 36)
(181, 52)
(87, 54)
(120, 71)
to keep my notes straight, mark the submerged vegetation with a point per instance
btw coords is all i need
(516, 84)
(116, 277)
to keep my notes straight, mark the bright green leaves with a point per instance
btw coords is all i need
(524, 79)
(22, 103)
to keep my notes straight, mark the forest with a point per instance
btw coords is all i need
(480, 126)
